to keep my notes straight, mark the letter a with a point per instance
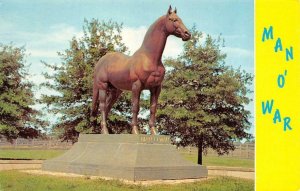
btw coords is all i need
(278, 45)
(267, 107)
(267, 33)
(277, 116)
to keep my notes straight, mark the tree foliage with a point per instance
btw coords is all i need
(203, 101)
(17, 117)
(72, 80)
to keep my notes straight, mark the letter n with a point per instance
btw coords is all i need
(267, 107)
(267, 33)
(289, 54)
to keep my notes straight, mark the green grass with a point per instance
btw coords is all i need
(221, 161)
(46, 154)
(29, 153)
(19, 181)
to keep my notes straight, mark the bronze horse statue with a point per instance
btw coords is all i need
(116, 72)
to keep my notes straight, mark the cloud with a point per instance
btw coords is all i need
(42, 53)
(235, 36)
(58, 35)
(36, 78)
(5, 27)
(239, 52)
(40, 44)
(173, 47)
(47, 44)
(133, 39)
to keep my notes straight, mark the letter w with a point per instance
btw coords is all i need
(267, 107)
(267, 33)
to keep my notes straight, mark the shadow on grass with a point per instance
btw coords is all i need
(15, 180)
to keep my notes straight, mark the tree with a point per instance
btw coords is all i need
(72, 80)
(18, 118)
(203, 101)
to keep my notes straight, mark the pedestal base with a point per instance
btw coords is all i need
(122, 156)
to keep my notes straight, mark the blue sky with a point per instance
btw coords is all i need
(45, 27)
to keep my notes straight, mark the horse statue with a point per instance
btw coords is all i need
(116, 72)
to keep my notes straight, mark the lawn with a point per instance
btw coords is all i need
(221, 161)
(16, 180)
(47, 153)
(29, 153)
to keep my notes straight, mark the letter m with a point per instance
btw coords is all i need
(267, 107)
(267, 33)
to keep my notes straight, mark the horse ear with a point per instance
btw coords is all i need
(175, 11)
(170, 10)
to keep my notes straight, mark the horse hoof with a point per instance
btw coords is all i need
(135, 130)
(104, 131)
(153, 131)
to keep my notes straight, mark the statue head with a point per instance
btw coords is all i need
(175, 26)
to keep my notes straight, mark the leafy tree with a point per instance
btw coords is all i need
(17, 117)
(72, 80)
(203, 101)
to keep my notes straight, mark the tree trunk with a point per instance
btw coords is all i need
(200, 142)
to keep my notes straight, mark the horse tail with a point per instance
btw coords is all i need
(95, 104)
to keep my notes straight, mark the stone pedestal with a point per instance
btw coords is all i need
(123, 156)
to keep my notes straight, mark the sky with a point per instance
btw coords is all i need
(45, 27)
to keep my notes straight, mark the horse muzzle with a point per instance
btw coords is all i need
(186, 36)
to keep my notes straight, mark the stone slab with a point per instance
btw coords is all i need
(123, 156)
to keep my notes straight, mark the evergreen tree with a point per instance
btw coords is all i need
(203, 101)
(73, 80)
(17, 117)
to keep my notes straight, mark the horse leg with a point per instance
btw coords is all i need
(113, 96)
(136, 92)
(102, 99)
(153, 105)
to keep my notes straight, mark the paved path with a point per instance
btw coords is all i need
(239, 172)
(247, 173)
(20, 164)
